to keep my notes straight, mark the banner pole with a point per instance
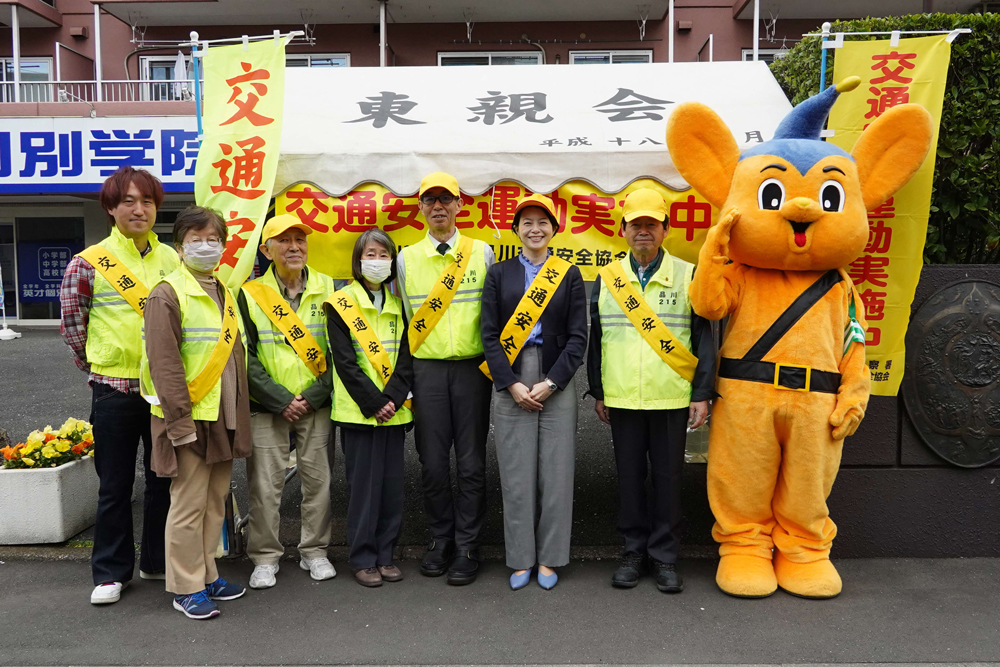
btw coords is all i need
(822, 57)
(195, 55)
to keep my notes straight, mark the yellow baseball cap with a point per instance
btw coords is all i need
(439, 179)
(542, 201)
(644, 203)
(282, 223)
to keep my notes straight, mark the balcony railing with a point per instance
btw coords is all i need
(113, 91)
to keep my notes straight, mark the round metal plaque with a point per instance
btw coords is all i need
(951, 387)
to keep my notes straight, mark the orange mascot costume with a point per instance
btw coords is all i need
(792, 377)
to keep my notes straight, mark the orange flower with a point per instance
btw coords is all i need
(49, 437)
(78, 449)
(8, 453)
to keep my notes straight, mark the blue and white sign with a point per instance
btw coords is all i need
(75, 155)
(40, 269)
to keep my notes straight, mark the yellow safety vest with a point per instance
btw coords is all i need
(274, 352)
(201, 326)
(634, 377)
(456, 335)
(114, 330)
(388, 326)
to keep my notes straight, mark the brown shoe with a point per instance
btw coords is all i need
(390, 572)
(368, 577)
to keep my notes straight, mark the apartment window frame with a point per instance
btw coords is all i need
(7, 87)
(536, 55)
(766, 55)
(309, 57)
(611, 53)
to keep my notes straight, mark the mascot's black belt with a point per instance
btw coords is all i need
(782, 376)
(785, 376)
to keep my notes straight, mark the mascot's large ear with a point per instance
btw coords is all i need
(703, 150)
(891, 150)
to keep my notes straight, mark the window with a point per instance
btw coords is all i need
(610, 57)
(318, 60)
(765, 55)
(156, 69)
(33, 72)
(463, 58)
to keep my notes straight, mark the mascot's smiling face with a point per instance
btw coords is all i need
(803, 202)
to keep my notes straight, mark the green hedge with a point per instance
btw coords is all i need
(965, 206)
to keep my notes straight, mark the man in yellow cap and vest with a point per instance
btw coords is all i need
(651, 366)
(288, 373)
(440, 281)
(102, 298)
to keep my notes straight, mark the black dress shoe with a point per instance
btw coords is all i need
(629, 570)
(667, 579)
(437, 559)
(464, 569)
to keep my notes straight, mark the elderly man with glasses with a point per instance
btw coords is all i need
(440, 280)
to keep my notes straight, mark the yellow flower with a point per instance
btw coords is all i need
(36, 438)
(49, 452)
(27, 461)
(28, 449)
(62, 446)
(90, 453)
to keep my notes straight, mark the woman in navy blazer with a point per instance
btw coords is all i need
(536, 405)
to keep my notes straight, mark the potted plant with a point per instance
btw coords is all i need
(48, 486)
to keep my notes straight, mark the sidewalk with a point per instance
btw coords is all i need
(893, 611)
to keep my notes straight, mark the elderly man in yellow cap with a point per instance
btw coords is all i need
(440, 280)
(651, 366)
(288, 373)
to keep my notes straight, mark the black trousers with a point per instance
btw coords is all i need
(451, 401)
(659, 435)
(120, 421)
(373, 457)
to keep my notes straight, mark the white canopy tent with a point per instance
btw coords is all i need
(540, 125)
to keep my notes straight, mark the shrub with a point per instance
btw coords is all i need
(964, 225)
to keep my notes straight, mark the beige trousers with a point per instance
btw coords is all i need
(194, 522)
(266, 473)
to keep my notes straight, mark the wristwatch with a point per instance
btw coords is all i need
(552, 385)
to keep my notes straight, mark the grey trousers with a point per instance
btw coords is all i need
(536, 452)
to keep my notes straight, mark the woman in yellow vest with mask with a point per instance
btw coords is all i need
(194, 375)
(374, 372)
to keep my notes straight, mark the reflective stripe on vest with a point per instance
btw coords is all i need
(634, 377)
(388, 326)
(456, 335)
(274, 351)
(114, 329)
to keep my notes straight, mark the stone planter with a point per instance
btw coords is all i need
(48, 505)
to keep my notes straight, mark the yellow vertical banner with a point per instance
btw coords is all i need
(589, 221)
(243, 103)
(886, 274)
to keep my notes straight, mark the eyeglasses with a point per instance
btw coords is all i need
(446, 198)
(212, 242)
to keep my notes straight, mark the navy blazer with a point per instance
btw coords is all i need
(564, 324)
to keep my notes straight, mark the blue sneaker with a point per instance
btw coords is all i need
(196, 606)
(548, 581)
(220, 589)
(519, 581)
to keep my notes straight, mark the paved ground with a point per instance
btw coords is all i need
(896, 611)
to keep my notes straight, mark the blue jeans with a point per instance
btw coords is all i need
(120, 421)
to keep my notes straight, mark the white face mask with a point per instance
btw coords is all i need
(376, 270)
(202, 257)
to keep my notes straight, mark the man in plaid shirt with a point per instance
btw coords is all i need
(105, 333)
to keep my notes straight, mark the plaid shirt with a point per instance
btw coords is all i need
(75, 296)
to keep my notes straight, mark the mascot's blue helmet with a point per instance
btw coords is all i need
(797, 137)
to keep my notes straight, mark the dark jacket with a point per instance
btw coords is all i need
(369, 398)
(564, 324)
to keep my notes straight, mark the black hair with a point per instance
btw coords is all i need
(552, 219)
(383, 239)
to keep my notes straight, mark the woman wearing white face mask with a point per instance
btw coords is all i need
(194, 374)
(374, 372)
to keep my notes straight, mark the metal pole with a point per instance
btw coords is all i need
(711, 48)
(15, 35)
(98, 71)
(822, 57)
(195, 61)
(381, 33)
(756, 29)
(670, 36)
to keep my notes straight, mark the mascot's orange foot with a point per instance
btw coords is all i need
(746, 576)
(818, 580)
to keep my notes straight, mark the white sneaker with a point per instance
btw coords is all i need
(107, 593)
(319, 568)
(263, 575)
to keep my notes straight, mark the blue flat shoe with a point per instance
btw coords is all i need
(518, 581)
(548, 582)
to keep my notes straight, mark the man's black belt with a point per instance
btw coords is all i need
(782, 376)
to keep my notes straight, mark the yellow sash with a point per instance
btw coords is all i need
(206, 379)
(530, 308)
(433, 307)
(646, 322)
(289, 323)
(116, 273)
(366, 335)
